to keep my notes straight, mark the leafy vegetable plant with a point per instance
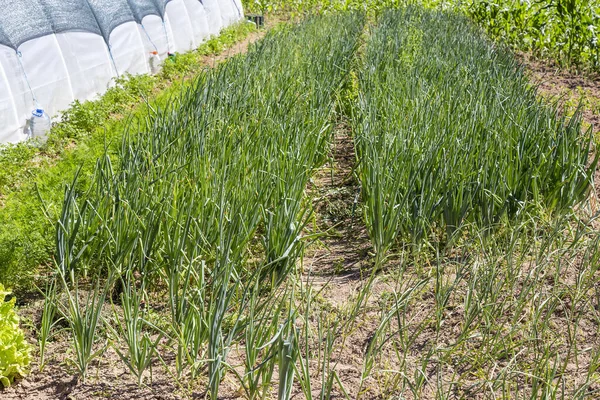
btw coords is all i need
(14, 349)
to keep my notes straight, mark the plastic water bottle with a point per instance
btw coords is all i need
(40, 124)
(154, 63)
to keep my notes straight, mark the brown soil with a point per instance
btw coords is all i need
(336, 194)
(108, 379)
(338, 265)
(566, 87)
(238, 48)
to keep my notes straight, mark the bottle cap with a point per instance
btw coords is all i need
(38, 112)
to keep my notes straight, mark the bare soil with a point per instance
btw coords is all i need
(566, 87)
(339, 263)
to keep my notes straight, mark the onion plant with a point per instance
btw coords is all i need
(141, 347)
(450, 134)
(84, 318)
(49, 319)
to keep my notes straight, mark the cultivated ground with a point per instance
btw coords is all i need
(527, 333)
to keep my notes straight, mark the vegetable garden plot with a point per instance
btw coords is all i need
(566, 31)
(203, 215)
(206, 204)
(449, 134)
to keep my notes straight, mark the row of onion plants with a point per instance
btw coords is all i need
(203, 211)
(450, 135)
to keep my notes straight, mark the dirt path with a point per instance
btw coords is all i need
(558, 84)
(335, 192)
(336, 266)
(238, 48)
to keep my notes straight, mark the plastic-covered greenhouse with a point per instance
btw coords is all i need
(55, 51)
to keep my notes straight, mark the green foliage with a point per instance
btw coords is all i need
(82, 119)
(14, 160)
(199, 206)
(450, 135)
(179, 65)
(219, 172)
(14, 349)
(565, 30)
(32, 179)
(318, 6)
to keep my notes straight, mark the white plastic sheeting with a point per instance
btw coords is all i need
(58, 68)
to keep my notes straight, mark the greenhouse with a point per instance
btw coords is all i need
(53, 52)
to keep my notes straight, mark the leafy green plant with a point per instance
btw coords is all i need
(31, 179)
(15, 352)
(566, 30)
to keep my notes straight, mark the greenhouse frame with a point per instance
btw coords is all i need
(53, 52)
